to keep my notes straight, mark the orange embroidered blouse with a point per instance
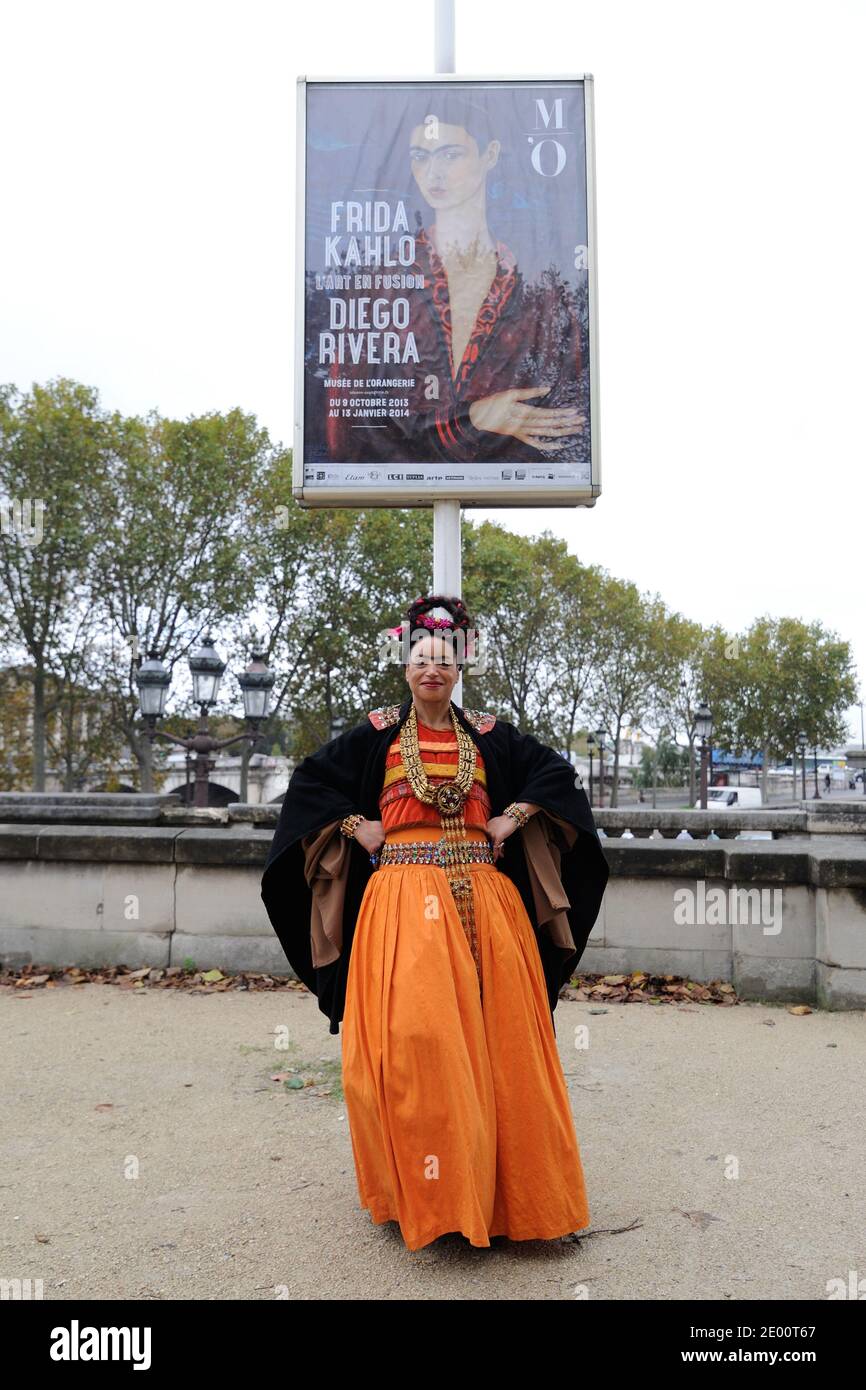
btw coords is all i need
(398, 805)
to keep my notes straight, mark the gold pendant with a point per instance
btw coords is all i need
(449, 799)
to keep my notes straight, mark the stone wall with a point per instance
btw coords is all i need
(781, 920)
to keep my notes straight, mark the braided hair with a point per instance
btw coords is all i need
(418, 611)
(455, 606)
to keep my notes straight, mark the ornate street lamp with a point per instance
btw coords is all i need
(703, 729)
(590, 743)
(256, 682)
(207, 669)
(153, 681)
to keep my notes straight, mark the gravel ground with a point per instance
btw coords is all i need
(147, 1154)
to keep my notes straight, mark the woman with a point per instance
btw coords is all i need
(442, 944)
(503, 354)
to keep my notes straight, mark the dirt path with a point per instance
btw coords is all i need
(245, 1189)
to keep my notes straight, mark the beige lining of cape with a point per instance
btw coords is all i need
(326, 867)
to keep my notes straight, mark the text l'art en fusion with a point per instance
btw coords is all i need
(362, 327)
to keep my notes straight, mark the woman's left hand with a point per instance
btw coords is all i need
(499, 829)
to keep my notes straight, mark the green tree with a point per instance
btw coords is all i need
(54, 453)
(787, 675)
(169, 562)
(508, 591)
(329, 581)
(576, 639)
(631, 663)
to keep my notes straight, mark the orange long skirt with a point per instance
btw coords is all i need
(458, 1109)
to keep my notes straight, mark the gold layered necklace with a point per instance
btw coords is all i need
(449, 799)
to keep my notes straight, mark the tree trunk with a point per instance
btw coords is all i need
(71, 737)
(656, 772)
(570, 739)
(614, 787)
(39, 727)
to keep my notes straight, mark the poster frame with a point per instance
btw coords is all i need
(423, 494)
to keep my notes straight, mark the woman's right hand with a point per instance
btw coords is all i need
(371, 835)
(504, 413)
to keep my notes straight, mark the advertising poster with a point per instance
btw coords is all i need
(446, 315)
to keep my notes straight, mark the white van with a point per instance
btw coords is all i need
(736, 799)
(733, 798)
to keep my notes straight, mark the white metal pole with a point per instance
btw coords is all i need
(447, 553)
(444, 46)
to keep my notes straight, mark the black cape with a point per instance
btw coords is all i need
(345, 776)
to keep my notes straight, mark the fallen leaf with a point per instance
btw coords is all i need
(701, 1219)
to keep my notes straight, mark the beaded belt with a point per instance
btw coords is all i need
(436, 852)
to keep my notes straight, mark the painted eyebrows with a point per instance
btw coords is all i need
(423, 149)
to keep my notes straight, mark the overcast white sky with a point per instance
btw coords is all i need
(147, 244)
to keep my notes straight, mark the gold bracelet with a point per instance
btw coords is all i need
(517, 813)
(350, 824)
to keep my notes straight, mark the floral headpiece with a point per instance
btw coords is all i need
(470, 646)
(425, 620)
